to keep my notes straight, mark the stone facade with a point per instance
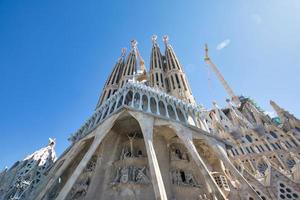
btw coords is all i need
(148, 139)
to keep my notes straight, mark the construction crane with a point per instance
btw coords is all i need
(226, 86)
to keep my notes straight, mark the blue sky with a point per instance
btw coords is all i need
(56, 55)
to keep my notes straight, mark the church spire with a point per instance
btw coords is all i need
(130, 67)
(175, 77)
(288, 120)
(112, 83)
(157, 75)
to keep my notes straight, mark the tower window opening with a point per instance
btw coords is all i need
(162, 80)
(173, 64)
(167, 84)
(156, 78)
(294, 142)
(248, 150)
(248, 137)
(109, 80)
(237, 153)
(183, 82)
(108, 95)
(129, 67)
(242, 150)
(268, 147)
(258, 148)
(172, 79)
(177, 80)
(114, 77)
(274, 135)
(182, 175)
(274, 146)
(232, 152)
(261, 147)
(278, 145)
(133, 66)
(152, 77)
(289, 144)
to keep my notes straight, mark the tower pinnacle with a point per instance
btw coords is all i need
(123, 52)
(154, 38)
(166, 39)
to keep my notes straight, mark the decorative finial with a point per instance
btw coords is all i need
(123, 52)
(166, 39)
(154, 38)
(52, 142)
(134, 44)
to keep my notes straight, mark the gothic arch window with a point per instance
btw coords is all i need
(180, 115)
(156, 78)
(153, 105)
(167, 84)
(177, 81)
(248, 137)
(136, 101)
(152, 78)
(145, 103)
(108, 95)
(162, 108)
(173, 83)
(112, 107)
(171, 112)
(274, 135)
(120, 102)
(128, 98)
(162, 80)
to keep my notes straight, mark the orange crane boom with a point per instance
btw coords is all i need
(226, 86)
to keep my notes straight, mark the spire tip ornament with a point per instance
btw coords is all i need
(154, 38)
(166, 39)
(123, 51)
(134, 44)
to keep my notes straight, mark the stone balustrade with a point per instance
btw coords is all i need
(139, 97)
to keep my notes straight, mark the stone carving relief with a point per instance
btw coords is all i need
(183, 178)
(81, 186)
(178, 154)
(131, 174)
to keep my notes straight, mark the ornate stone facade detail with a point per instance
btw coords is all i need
(23, 178)
(81, 186)
(131, 174)
(183, 178)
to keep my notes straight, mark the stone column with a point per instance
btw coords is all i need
(101, 132)
(146, 124)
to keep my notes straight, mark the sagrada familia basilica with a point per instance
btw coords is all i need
(148, 139)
